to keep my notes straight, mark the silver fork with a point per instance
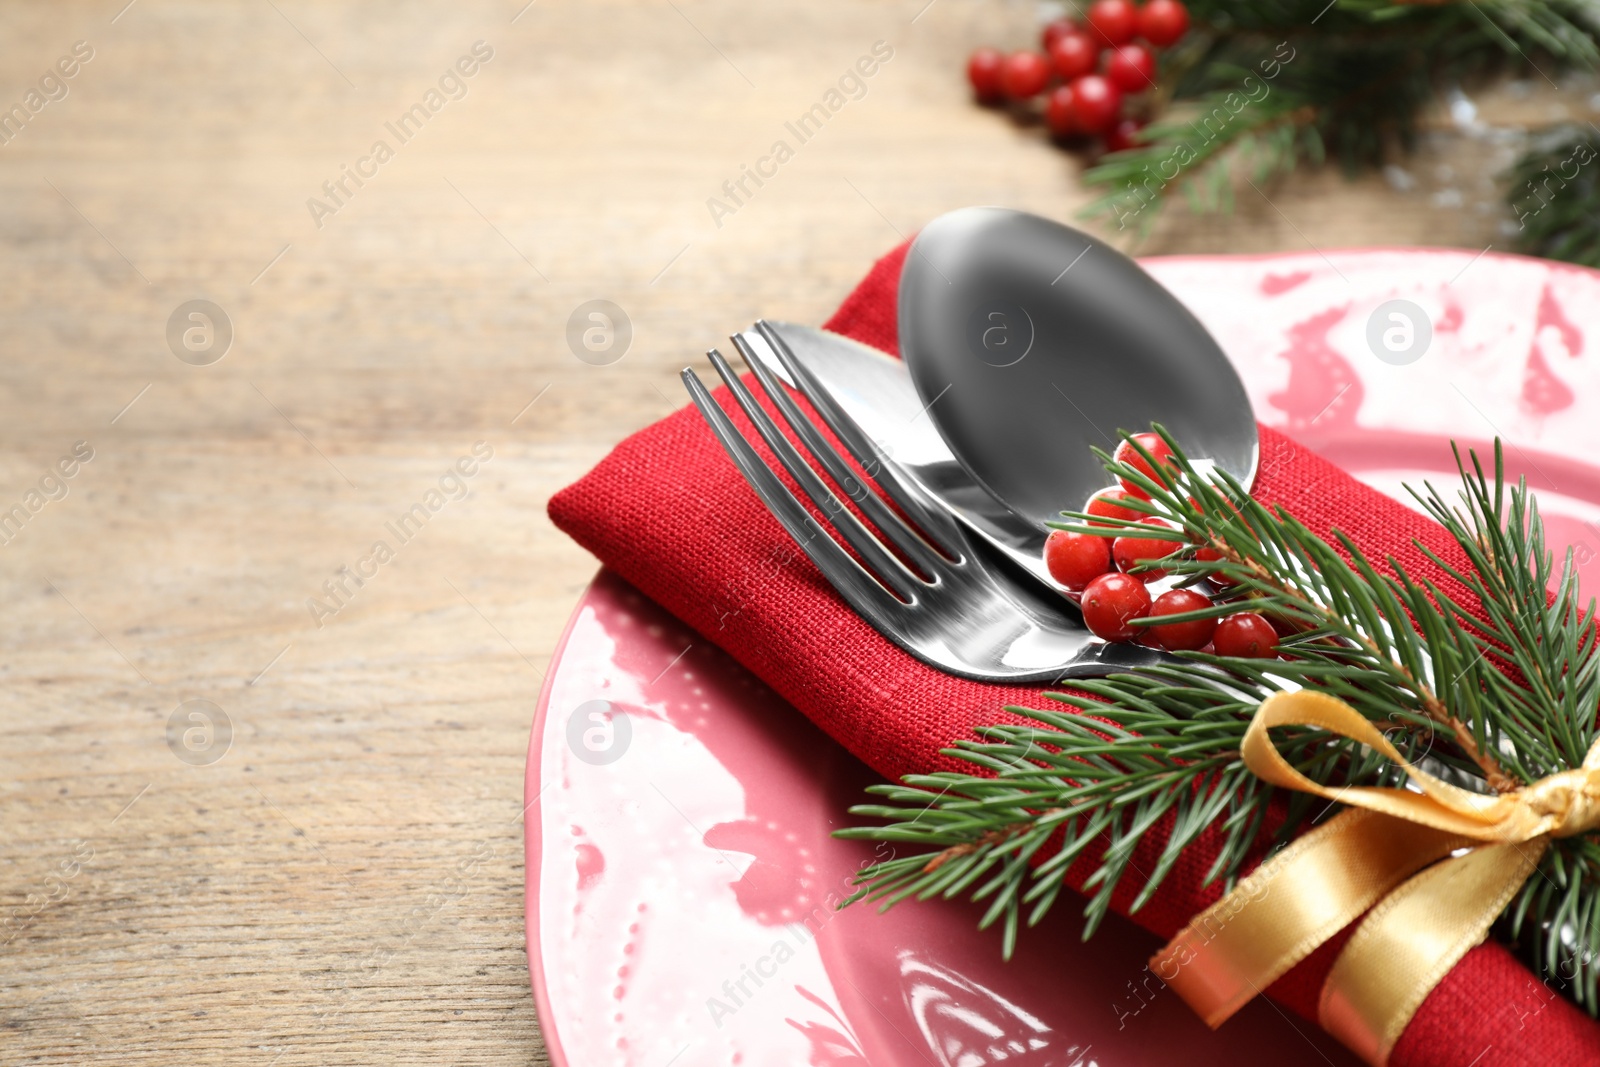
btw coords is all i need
(942, 598)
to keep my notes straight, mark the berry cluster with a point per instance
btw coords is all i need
(1094, 569)
(1101, 69)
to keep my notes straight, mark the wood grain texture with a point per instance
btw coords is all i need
(345, 884)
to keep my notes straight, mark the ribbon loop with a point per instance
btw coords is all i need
(1413, 939)
(1473, 853)
(1440, 805)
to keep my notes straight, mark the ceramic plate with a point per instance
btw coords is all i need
(681, 876)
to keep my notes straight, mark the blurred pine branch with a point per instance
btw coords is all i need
(1261, 87)
(1555, 195)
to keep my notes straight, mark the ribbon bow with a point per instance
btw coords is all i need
(1368, 857)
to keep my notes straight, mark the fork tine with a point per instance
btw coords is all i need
(852, 581)
(890, 570)
(937, 526)
(889, 524)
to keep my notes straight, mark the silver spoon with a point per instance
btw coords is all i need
(1029, 342)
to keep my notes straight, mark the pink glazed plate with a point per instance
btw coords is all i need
(681, 872)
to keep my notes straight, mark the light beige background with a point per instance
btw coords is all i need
(345, 885)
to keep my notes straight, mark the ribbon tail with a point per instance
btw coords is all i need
(1291, 904)
(1409, 942)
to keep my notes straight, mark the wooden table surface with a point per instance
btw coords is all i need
(336, 875)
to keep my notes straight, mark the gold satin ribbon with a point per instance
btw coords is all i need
(1473, 853)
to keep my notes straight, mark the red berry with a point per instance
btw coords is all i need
(1114, 21)
(1124, 135)
(1024, 75)
(1127, 454)
(1107, 503)
(1174, 636)
(1211, 555)
(1111, 602)
(1131, 68)
(1131, 551)
(1282, 626)
(1075, 559)
(1054, 31)
(983, 71)
(1058, 113)
(1075, 54)
(1096, 102)
(1246, 635)
(1162, 22)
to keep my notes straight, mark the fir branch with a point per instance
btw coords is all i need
(1261, 87)
(1357, 639)
(1554, 193)
(1489, 675)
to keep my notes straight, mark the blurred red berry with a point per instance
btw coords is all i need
(1211, 555)
(1124, 135)
(1096, 103)
(1058, 113)
(1076, 559)
(1176, 636)
(1246, 635)
(1114, 21)
(1283, 627)
(983, 71)
(1075, 54)
(1129, 552)
(1152, 443)
(1111, 602)
(1055, 30)
(1107, 503)
(1163, 22)
(1024, 75)
(1131, 68)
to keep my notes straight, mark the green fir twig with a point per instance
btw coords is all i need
(1489, 675)
(1261, 87)
(1554, 193)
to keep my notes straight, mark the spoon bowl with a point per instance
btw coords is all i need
(1029, 342)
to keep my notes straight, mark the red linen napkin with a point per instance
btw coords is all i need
(669, 512)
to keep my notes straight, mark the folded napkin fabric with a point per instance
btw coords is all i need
(669, 512)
